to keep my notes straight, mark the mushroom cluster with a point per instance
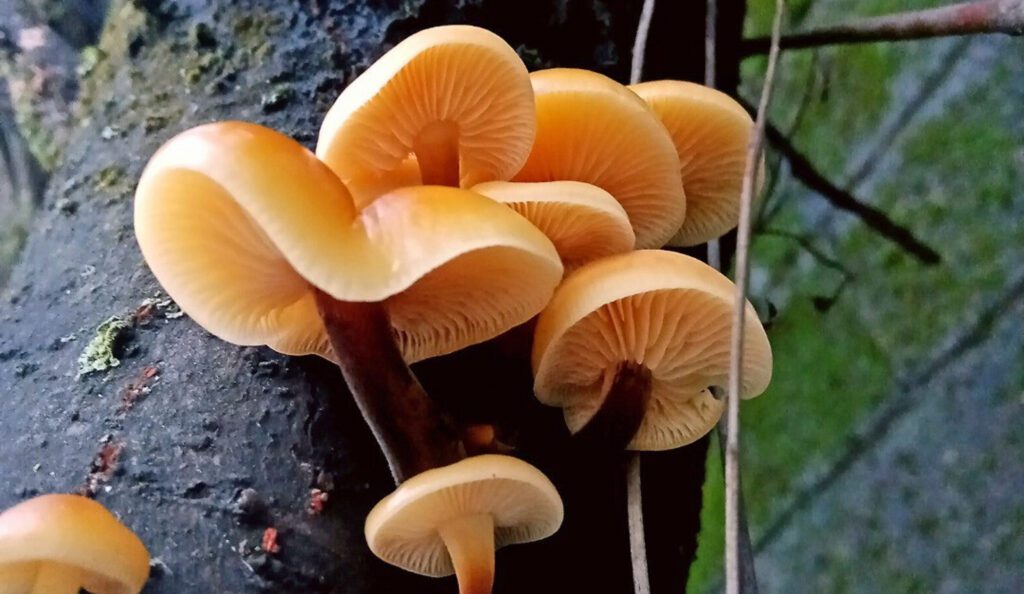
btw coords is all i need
(449, 192)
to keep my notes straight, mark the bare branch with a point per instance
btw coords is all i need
(634, 492)
(967, 18)
(732, 447)
(805, 171)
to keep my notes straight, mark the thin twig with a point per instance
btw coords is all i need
(967, 18)
(634, 490)
(805, 171)
(635, 514)
(640, 44)
(710, 64)
(748, 579)
(732, 459)
(710, 43)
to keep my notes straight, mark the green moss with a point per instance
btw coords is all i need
(277, 97)
(108, 177)
(98, 355)
(39, 137)
(126, 23)
(89, 58)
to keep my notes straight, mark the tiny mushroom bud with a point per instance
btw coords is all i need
(631, 345)
(58, 544)
(452, 519)
(711, 132)
(261, 244)
(592, 129)
(456, 97)
(583, 221)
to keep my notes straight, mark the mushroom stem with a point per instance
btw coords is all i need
(54, 578)
(614, 424)
(470, 542)
(410, 428)
(437, 151)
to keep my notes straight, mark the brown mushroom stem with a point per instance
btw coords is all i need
(437, 151)
(54, 578)
(412, 431)
(614, 424)
(470, 542)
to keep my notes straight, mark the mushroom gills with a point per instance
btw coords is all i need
(470, 543)
(627, 391)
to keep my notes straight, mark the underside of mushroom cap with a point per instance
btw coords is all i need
(592, 129)
(75, 532)
(497, 271)
(237, 222)
(233, 218)
(711, 132)
(403, 529)
(452, 80)
(668, 312)
(583, 221)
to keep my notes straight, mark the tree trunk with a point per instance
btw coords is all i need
(200, 446)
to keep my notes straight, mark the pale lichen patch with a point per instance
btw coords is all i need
(98, 355)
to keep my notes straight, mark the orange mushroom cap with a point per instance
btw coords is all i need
(592, 129)
(239, 223)
(456, 96)
(60, 543)
(583, 221)
(452, 519)
(669, 314)
(711, 132)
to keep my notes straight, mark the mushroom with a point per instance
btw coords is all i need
(583, 221)
(592, 129)
(261, 244)
(58, 544)
(633, 346)
(711, 132)
(452, 519)
(456, 97)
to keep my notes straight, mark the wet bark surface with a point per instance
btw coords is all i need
(200, 446)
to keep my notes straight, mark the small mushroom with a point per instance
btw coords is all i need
(632, 346)
(592, 129)
(711, 132)
(58, 544)
(452, 519)
(456, 97)
(261, 244)
(583, 221)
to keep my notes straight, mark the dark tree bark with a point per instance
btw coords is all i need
(200, 446)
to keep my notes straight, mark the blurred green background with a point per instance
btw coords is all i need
(887, 454)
